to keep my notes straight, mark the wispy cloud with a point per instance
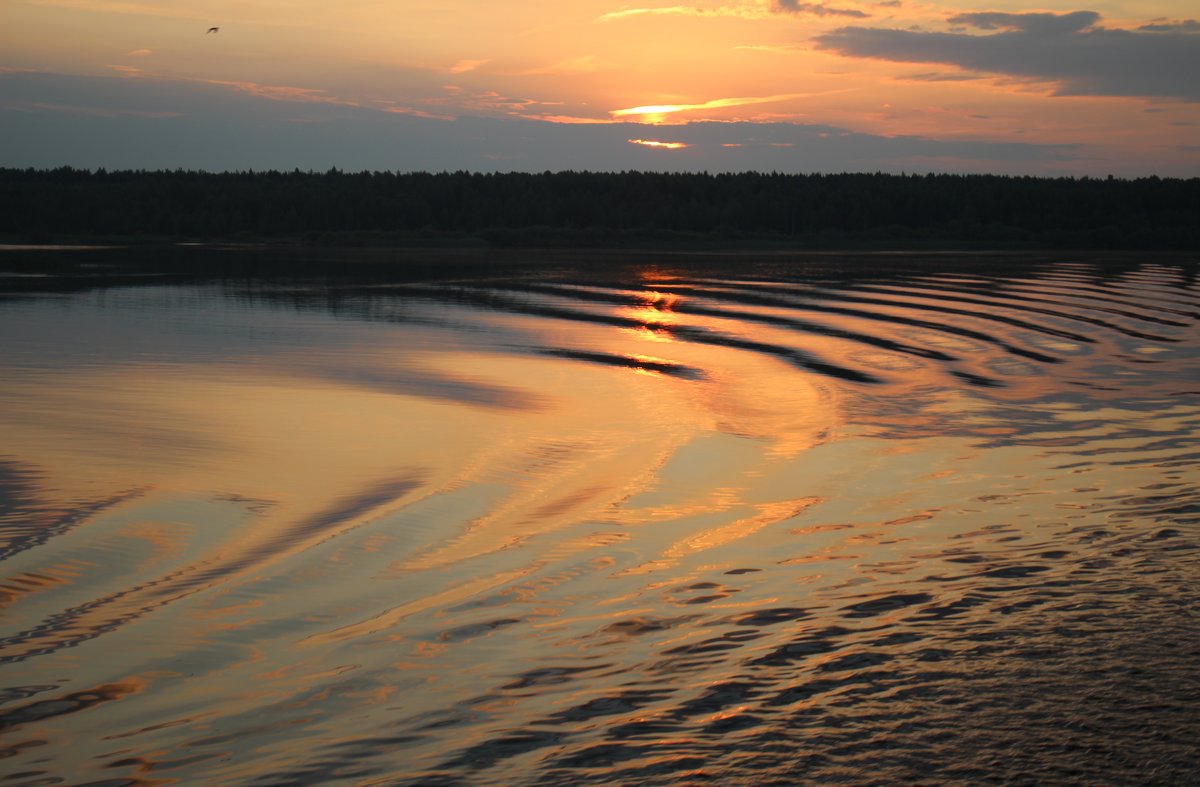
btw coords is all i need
(779, 48)
(814, 9)
(1035, 23)
(574, 120)
(1177, 26)
(242, 126)
(140, 53)
(415, 112)
(99, 112)
(308, 95)
(942, 76)
(742, 12)
(585, 64)
(654, 113)
(463, 66)
(493, 101)
(125, 7)
(282, 92)
(1071, 50)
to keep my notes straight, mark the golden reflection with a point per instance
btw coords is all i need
(552, 481)
(576, 457)
(394, 615)
(283, 445)
(662, 301)
(26, 583)
(647, 333)
(656, 313)
(461, 544)
(769, 514)
(647, 364)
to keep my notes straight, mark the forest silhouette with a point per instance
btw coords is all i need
(602, 209)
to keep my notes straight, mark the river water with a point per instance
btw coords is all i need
(643, 521)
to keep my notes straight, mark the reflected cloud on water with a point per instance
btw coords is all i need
(830, 520)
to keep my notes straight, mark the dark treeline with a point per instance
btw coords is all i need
(602, 208)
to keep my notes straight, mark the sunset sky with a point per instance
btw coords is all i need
(967, 86)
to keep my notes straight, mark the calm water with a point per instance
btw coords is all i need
(835, 520)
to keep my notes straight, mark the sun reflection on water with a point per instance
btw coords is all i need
(482, 531)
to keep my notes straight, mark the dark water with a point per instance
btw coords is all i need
(746, 521)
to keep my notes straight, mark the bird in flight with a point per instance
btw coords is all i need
(212, 30)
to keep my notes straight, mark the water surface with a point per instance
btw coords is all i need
(660, 521)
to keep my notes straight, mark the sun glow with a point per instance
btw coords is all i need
(657, 113)
(654, 109)
(656, 313)
(654, 143)
(895, 78)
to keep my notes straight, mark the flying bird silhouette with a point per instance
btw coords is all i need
(212, 30)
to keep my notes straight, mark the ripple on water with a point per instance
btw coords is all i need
(822, 523)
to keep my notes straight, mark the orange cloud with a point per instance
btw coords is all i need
(282, 92)
(573, 119)
(783, 48)
(417, 113)
(742, 12)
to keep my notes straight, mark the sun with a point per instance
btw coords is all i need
(653, 114)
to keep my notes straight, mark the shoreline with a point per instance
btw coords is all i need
(474, 247)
